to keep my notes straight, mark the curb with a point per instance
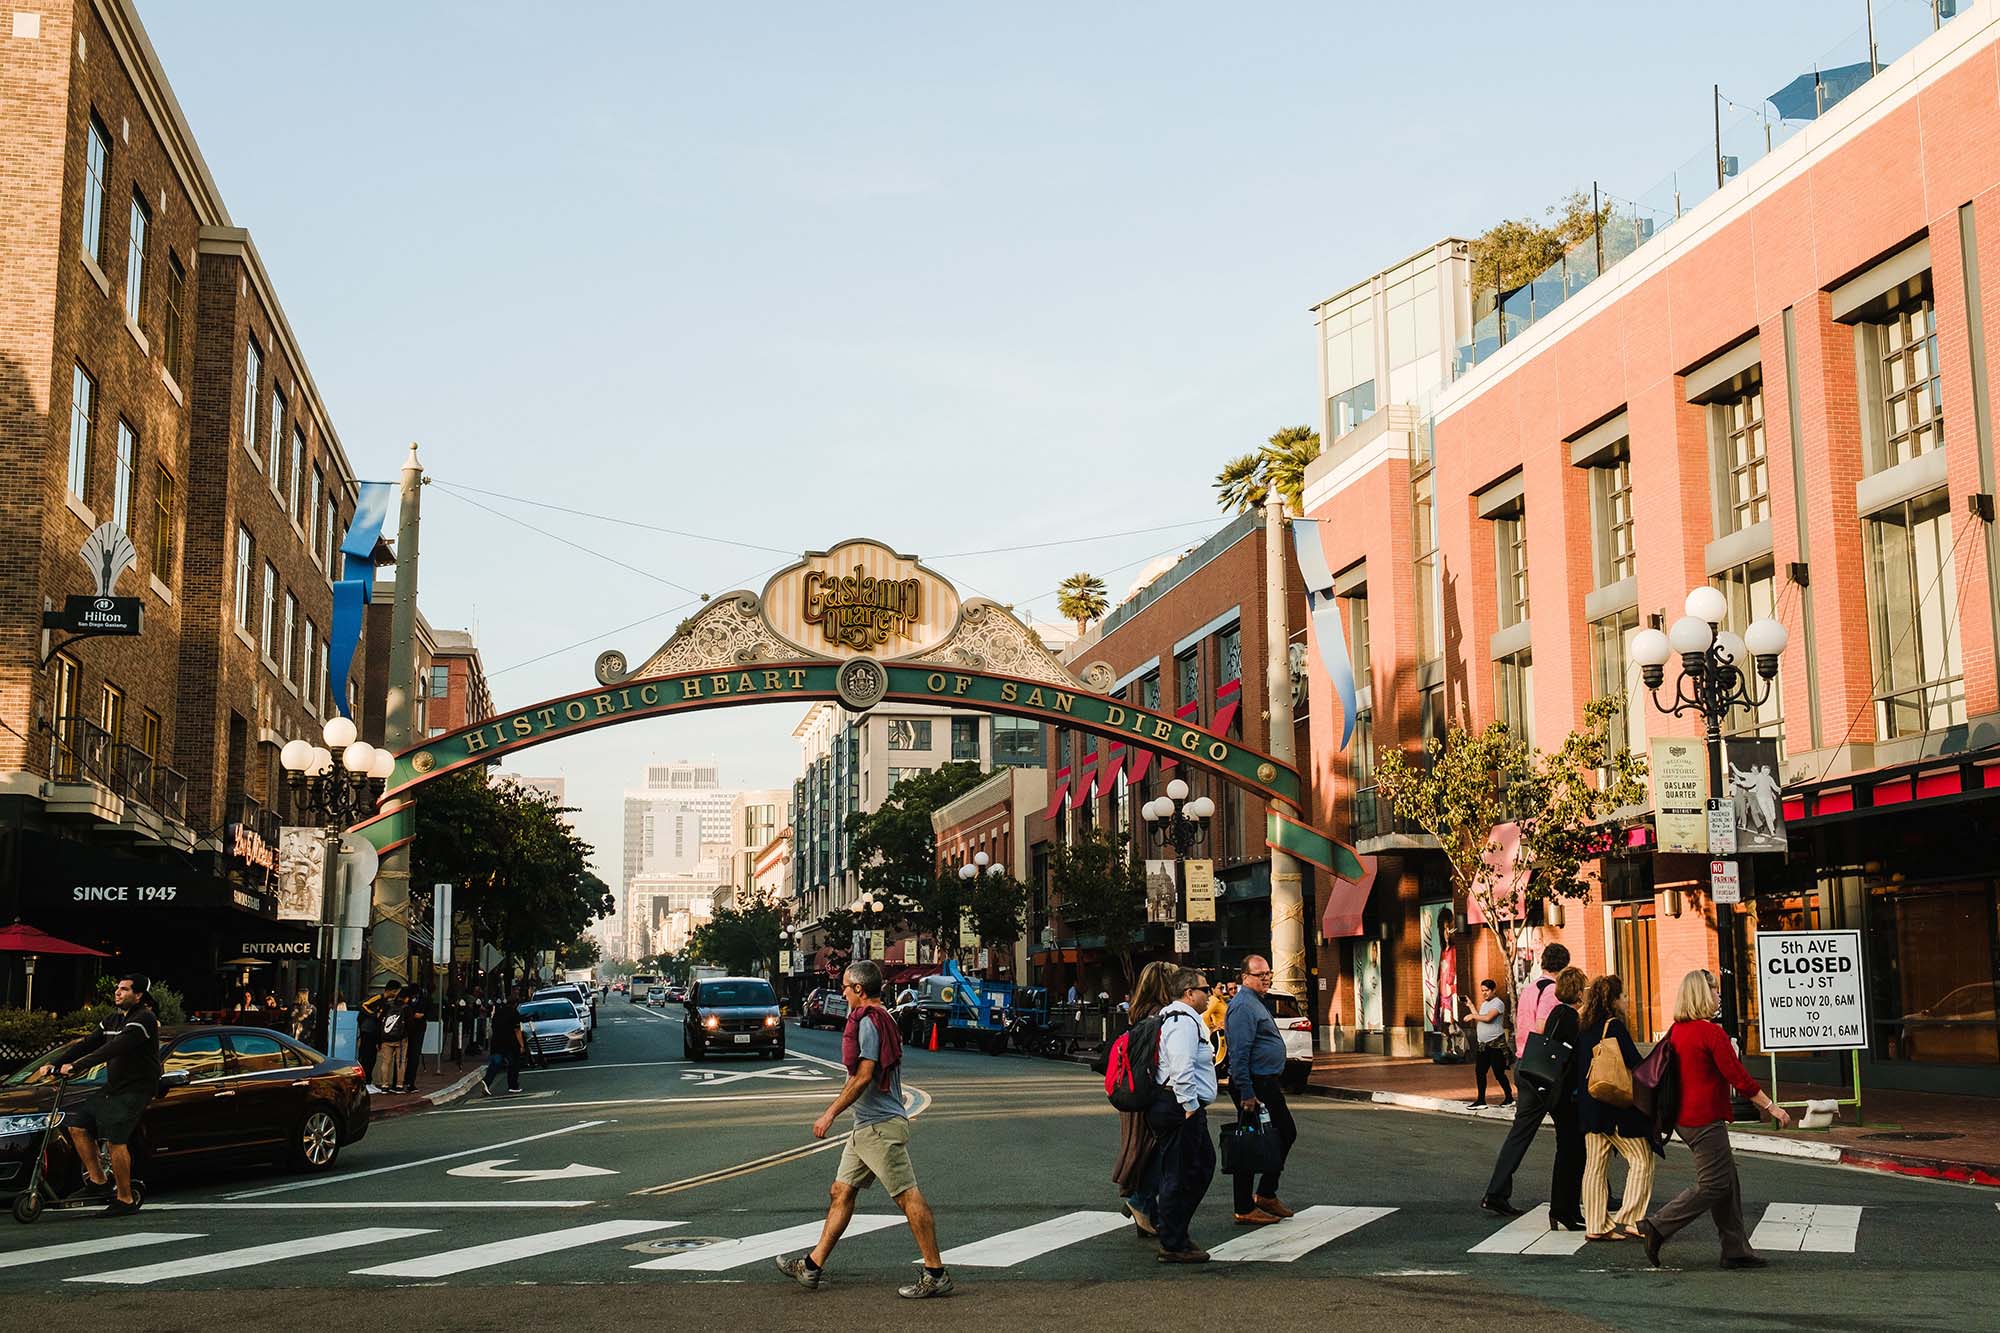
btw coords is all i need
(1764, 1145)
(449, 1093)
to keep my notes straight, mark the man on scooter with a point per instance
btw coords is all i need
(127, 1043)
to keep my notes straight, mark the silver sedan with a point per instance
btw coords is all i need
(553, 1027)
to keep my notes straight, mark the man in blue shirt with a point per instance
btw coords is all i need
(1256, 1061)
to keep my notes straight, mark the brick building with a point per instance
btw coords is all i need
(455, 690)
(1784, 395)
(149, 379)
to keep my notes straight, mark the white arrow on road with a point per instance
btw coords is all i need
(710, 1078)
(491, 1170)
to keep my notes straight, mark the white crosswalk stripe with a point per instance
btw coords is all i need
(77, 1249)
(1018, 1246)
(1298, 1235)
(253, 1255)
(446, 1262)
(770, 1244)
(1529, 1234)
(1820, 1228)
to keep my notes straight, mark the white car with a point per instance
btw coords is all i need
(554, 1026)
(586, 1004)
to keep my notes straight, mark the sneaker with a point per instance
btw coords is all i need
(927, 1284)
(485, 1088)
(120, 1208)
(799, 1271)
(1474, 1106)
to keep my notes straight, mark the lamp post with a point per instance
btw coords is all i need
(979, 865)
(1713, 681)
(336, 793)
(1183, 825)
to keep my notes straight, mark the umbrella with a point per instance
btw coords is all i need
(1811, 94)
(246, 962)
(18, 938)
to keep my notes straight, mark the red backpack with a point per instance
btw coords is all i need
(1132, 1071)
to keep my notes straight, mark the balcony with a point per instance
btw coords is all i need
(132, 780)
(252, 815)
(80, 774)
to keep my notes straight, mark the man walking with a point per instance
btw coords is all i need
(127, 1043)
(1256, 1062)
(1531, 1103)
(879, 1147)
(509, 1047)
(1179, 1117)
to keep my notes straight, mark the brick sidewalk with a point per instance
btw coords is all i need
(1911, 1133)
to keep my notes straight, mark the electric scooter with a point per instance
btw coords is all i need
(38, 1196)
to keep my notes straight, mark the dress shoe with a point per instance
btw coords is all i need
(1143, 1223)
(1654, 1240)
(1271, 1204)
(1499, 1207)
(1193, 1256)
(1565, 1223)
(1747, 1261)
(1256, 1217)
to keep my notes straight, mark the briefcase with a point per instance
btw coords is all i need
(1249, 1148)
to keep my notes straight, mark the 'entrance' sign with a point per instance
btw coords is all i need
(1810, 991)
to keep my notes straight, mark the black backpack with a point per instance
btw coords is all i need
(392, 1025)
(1132, 1070)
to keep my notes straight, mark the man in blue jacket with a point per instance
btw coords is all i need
(1256, 1062)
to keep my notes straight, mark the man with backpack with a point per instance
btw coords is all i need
(1531, 1102)
(392, 1033)
(1184, 1078)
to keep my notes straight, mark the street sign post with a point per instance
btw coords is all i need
(1721, 827)
(1181, 941)
(1725, 882)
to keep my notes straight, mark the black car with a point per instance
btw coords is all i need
(732, 1016)
(226, 1093)
(824, 1008)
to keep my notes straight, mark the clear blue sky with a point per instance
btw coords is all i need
(958, 277)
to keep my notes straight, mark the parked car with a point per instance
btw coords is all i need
(824, 1008)
(585, 1002)
(227, 1094)
(556, 1027)
(1297, 1030)
(732, 1015)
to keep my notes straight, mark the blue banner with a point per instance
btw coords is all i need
(356, 587)
(1328, 631)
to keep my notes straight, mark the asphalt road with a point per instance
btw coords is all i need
(644, 1172)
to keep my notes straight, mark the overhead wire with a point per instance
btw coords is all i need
(578, 546)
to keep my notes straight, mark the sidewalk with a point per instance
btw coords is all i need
(433, 1089)
(1928, 1135)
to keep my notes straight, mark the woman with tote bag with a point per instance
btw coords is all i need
(1607, 1118)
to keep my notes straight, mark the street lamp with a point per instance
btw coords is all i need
(1713, 681)
(1178, 821)
(336, 794)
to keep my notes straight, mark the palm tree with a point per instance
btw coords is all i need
(1245, 481)
(1081, 598)
(1240, 484)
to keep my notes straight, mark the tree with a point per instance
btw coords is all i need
(743, 938)
(1280, 464)
(1096, 883)
(999, 908)
(894, 849)
(1562, 803)
(1514, 251)
(1082, 598)
(583, 951)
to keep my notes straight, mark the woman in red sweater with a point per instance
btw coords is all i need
(1708, 1070)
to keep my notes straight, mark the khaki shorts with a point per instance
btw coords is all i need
(881, 1152)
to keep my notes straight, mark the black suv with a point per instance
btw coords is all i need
(732, 1016)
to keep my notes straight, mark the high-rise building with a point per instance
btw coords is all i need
(681, 807)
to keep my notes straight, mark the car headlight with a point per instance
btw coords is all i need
(711, 1022)
(30, 1124)
(576, 1037)
(770, 1020)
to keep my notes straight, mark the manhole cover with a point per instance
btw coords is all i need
(1913, 1136)
(673, 1244)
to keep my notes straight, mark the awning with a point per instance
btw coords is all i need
(1107, 772)
(19, 938)
(1085, 781)
(1136, 766)
(1057, 795)
(1346, 901)
(1228, 702)
(1505, 880)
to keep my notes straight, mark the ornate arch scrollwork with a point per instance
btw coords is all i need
(988, 638)
(727, 633)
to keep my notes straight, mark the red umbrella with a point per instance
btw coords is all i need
(18, 938)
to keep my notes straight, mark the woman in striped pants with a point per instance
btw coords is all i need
(1609, 1129)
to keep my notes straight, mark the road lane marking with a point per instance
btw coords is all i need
(446, 1262)
(1298, 1235)
(916, 1101)
(251, 1256)
(494, 1169)
(1813, 1228)
(1013, 1247)
(587, 1067)
(769, 1245)
(1529, 1234)
(405, 1166)
(378, 1203)
(640, 1101)
(78, 1248)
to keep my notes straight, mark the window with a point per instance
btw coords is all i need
(1017, 741)
(275, 449)
(440, 682)
(332, 535)
(1612, 677)
(244, 566)
(1149, 691)
(1514, 693)
(909, 734)
(253, 370)
(313, 502)
(170, 324)
(1913, 618)
(82, 410)
(1752, 591)
(288, 664)
(163, 523)
(200, 1056)
(1361, 767)
(1611, 520)
(1635, 949)
(1229, 653)
(1187, 680)
(125, 476)
(66, 680)
(1742, 476)
(270, 610)
(1430, 601)
(135, 260)
(149, 734)
(1510, 575)
(1431, 716)
(321, 678)
(259, 1055)
(1902, 411)
(896, 775)
(297, 474)
(965, 739)
(1345, 411)
(96, 190)
(111, 713)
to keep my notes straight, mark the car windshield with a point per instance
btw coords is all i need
(67, 1051)
(735, 993)
(543, 1010)
(1284, 1006)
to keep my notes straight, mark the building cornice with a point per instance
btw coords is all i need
(163, 110)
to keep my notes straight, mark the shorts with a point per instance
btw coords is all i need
(108, 1118)
(879, 1151)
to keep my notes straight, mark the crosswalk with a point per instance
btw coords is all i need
(407, 1253)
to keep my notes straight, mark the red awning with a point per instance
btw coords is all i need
(1085, 781)
(1107, 772)
(1345, 902)
(1228, 701)
(18, 938)
(1136, 766)
(1056, 796)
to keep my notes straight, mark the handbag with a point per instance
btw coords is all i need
(1656, 1086)
(1545, 1061)
(1608, 1080)
(1251, 1148)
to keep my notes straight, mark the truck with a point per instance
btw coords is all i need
(953, 1009)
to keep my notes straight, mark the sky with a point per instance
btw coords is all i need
(988, 283)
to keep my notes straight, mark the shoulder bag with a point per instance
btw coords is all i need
(1544, 1063)
(1608, 1080)
(1656, 1086)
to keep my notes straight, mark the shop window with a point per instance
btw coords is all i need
(1931, 964)
(1913, 617)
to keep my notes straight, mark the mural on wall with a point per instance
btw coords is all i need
(1440, 956)
(1368, 986)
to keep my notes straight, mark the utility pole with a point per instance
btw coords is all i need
(1288, 934)
(389, 919)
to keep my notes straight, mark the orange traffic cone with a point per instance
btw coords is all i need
(934, 1036)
